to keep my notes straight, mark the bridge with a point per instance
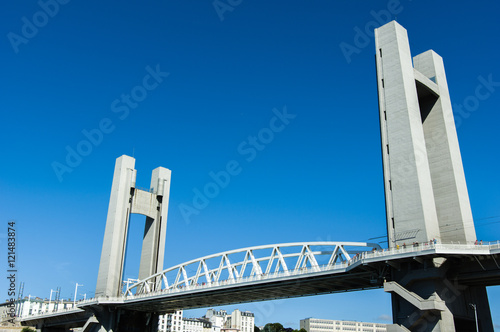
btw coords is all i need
(432, 282)
(284, 271)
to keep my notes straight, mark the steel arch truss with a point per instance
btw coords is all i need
(251, 264)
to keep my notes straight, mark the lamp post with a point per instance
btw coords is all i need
(74, 299)
(50, 297)
(473, 306)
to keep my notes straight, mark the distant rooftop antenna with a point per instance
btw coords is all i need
(21, 291)
(19, 298)
(58, 297)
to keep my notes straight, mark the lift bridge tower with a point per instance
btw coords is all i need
(425, 191)
(126, 199)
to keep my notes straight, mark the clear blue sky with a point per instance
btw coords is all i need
(320, 178)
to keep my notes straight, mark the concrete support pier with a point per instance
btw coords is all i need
(425, 190)
(109, 319)
(126, 199)
(428, 296)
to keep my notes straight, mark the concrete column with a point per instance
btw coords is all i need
(448, 179)
(115, 234)
(126, 199)
(112, 319)
(437, 282)
(155, 230)
(410, 205)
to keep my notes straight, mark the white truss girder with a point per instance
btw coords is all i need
(266, 261)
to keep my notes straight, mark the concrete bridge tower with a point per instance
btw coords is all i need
(126, 199)
(425, 190)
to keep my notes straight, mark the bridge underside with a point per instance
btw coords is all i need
(440, 293)
(57, 322)
(465, 269)
(457, 278)
(363, 278)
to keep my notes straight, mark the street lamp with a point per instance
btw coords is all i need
(50, 297)
(473, 306)
(74, 299)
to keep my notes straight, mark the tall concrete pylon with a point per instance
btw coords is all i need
(425, 189)
(126, 199)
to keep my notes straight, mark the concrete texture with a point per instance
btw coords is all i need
(155, 230)
(115, 234)
(126, 199)
(447, 173)
(411, 210)
(437, 283)
(425, 189)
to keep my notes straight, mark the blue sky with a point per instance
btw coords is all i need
(203, 80)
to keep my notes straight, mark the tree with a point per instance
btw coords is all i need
(27, 329)
(256, 329)
(277, 327)
(301, 330)
(273, 327)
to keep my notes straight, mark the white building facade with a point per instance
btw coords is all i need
(218, 319)
(196, 325)
(329, 325)
(171, 322)
(213, 321)
(35, 305)
(241, 320)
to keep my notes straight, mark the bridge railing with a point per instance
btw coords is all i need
(275, 275)
(253, 263)
(188, 280)
(413, 248)
(340, 256)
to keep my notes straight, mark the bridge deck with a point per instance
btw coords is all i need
(367, 271)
